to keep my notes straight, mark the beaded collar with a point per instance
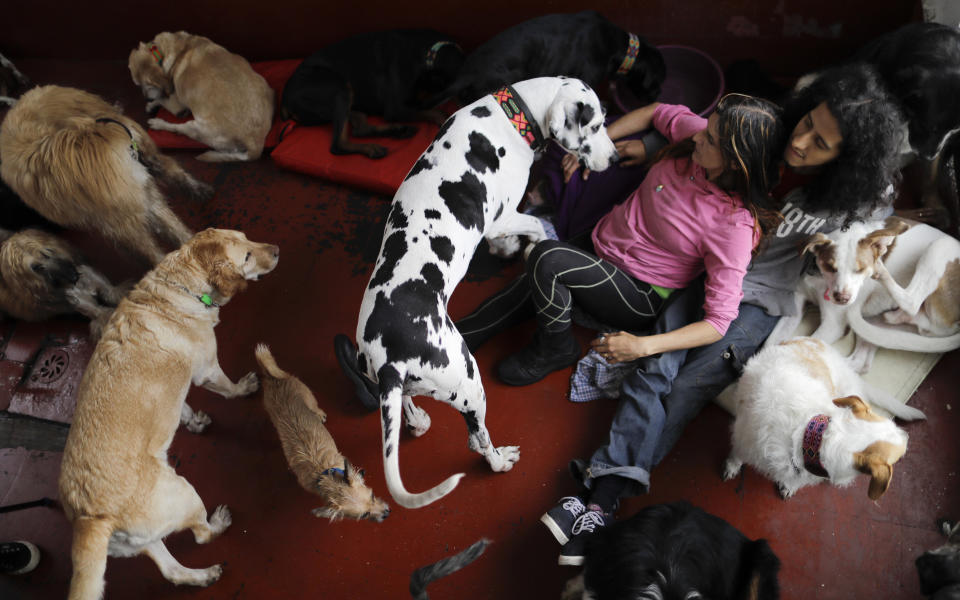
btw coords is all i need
(519, 116)
(157, 54)
(812, 438)
(633, 47)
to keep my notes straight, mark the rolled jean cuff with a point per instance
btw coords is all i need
(640, 477)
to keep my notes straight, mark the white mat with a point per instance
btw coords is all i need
(896, 371)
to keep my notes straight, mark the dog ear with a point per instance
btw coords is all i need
(221, 273)
(861, 409)
(877, 461)
(326, 512)
(556, 117)
(346, 470)
(815, 242)
(882, 240)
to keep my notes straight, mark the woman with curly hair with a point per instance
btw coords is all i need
(841, 161)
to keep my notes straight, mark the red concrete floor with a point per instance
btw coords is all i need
(834, 543)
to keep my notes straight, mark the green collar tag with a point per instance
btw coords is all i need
(206, 299)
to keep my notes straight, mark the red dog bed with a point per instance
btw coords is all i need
(276, 72)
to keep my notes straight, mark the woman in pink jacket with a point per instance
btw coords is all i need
(703, 207)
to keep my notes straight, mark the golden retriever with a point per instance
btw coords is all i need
(116, 485)
(81, 163)
(42, 276)
(309, 448)
(232, 105)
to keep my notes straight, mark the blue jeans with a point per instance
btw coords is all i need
(667, 390)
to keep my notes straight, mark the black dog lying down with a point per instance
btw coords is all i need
(386, 73)
(12, 82)
(584, 45)
(939, 569)
(675, 551)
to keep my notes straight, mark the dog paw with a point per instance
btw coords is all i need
(731, 469)
(152, 107)
(220, 519)
(418, 421)
(786, 491)
(509, 455)
(248, 384)
(157, 124)
(505, 246)
(211, 575)
(198, 422)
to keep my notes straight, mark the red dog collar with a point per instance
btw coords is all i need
(518, 114)
(156, 54)
(633, 47)
(812, 438)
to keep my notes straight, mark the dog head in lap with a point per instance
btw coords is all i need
(847, 259)
(228, 259)
(575, 121)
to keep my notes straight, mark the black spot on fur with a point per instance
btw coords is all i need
(402, 320)
(421, 165)
(362, 362)
(465, 200)
(389, 380)
(585, 113)
(442, 247)
(480, 111)
(453, 396)
(467, 358)
(473, 424)
(397, 218)
(429, 149)
(499, 212)
(431, 214)
(394, 248)
(501, 151)
(585, 149)
(433, 276)
(482, 155)
(446, 145)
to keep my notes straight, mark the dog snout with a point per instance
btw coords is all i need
(63, 273)
(383, 515)
(841, 297)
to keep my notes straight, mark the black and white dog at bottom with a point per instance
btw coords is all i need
(675, 551)
(465, 187)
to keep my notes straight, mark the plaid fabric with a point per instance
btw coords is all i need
(812, 438)
(595, 378)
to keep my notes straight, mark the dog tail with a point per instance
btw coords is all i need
(758, 572)
(424, 576)
(897, 339)
(91, 536)
(391, 378)
(268, 366)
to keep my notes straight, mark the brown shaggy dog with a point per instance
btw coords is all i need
(232, 105)
(117, 486)
(81, 163)
(42, 276)
(310, 450)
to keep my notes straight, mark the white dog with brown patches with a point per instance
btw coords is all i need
(907, 272)
(803, 415)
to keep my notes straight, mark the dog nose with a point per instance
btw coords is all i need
(275, 250)
(841, 297)
(615, 157)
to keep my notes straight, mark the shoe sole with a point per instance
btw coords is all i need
(34, 559)
(570, 561)
(555, 529)
(523, 382)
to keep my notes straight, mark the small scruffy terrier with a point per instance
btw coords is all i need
(310, 450)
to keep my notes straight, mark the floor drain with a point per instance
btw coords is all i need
(51, 367)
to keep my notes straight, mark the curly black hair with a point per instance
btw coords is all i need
(865, 175)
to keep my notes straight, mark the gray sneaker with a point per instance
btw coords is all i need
(560, 519)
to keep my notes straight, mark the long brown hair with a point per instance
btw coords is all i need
(750, 137)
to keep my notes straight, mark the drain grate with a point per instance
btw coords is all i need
(51, 368)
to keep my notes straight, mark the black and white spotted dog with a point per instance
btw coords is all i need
(465, 187)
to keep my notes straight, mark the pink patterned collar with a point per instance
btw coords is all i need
(812, 438)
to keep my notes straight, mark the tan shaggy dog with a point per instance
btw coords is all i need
(310, 450)
(232, 105)
(82, 164)
(42, 276)
(116, 484)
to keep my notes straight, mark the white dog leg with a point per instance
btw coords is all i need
(500, 459)
(503, 236)
(418, 421)
(732, 467)
(832, 322)
(862, 356)
(194, 421)
(176, 573)
(216, 381)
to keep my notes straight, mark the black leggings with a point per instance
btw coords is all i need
(559, 274)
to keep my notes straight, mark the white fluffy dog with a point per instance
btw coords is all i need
(803, 415)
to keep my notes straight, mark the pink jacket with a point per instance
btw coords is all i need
(678, 224)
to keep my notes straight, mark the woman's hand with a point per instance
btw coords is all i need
(622, 346)
(570, 164)
(632, 152)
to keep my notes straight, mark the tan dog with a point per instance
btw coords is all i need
(42, 276)
(81, 163)
(310, 450)
(116, 485)
(232, 105)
